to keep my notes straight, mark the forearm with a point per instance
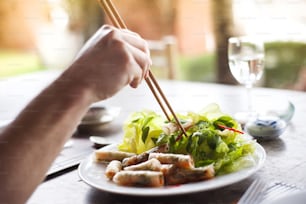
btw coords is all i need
(110, 60)
(30, 144)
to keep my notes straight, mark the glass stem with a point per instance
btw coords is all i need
(250, 98)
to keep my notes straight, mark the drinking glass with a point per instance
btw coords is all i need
(246, 62)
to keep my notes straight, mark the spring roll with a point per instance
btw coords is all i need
(136, 159)
(165, 168)
(112, 168)
(103, 155)
(151, 165)
(139, 178)
(175, 175)
(179, 160)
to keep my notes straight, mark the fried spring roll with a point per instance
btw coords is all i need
(139, 178)
(136, 159)
(175, 175)
(112, 168)
(102, 155)
(179, 160)
(165, 168)
(152, 165)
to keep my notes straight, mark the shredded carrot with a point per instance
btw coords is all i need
(229, 128)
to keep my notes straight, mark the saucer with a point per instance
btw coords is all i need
(98, 118)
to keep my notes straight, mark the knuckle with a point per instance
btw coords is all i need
(112, 34)
(107, 27)
(122, 51)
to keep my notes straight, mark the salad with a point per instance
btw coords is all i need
(213, 138)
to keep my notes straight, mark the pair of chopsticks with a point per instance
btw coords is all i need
(116, 19)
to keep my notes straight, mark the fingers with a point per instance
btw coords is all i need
(141, 60)
(135, 40)
(135, 47)
(104, 30)
(141, 53)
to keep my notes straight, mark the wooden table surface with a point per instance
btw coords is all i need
(286, 160)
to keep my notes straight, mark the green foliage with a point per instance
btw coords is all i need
(15, 63)
(198, 68)
(283, 62)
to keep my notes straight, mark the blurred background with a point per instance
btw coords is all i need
(39, 35)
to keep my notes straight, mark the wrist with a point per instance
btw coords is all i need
(70, 97)
(75, 88)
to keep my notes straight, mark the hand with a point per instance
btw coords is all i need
(110, 60)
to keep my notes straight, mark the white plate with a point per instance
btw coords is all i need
(294, 198)
(92, 173)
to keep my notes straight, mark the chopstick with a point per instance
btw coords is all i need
(118, 22)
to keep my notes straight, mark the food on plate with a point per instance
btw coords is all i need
(101, 155)
(162, 155)
(139, 178)
(136, 159)
(175, 175)
(151, 165)
(112, 168)
(213, 138)
(172, 169)
(179, 160)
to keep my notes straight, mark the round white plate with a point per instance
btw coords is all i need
(294, 198)
(92, 173)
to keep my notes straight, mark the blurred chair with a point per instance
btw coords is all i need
(164, 56)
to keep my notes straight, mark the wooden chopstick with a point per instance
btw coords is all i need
(112, 13)
(118, 22)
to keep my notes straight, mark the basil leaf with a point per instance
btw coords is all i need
(146, 122)
(226, 121)
(135, 121)
(145, 133)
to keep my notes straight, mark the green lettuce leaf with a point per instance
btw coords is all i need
(206, 141)
(140, 130)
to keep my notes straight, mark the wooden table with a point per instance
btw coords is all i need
(285, 161)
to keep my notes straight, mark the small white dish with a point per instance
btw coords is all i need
(99, 114)
(277, 108)
(99, 141)
(266, 128)
(98, 119)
